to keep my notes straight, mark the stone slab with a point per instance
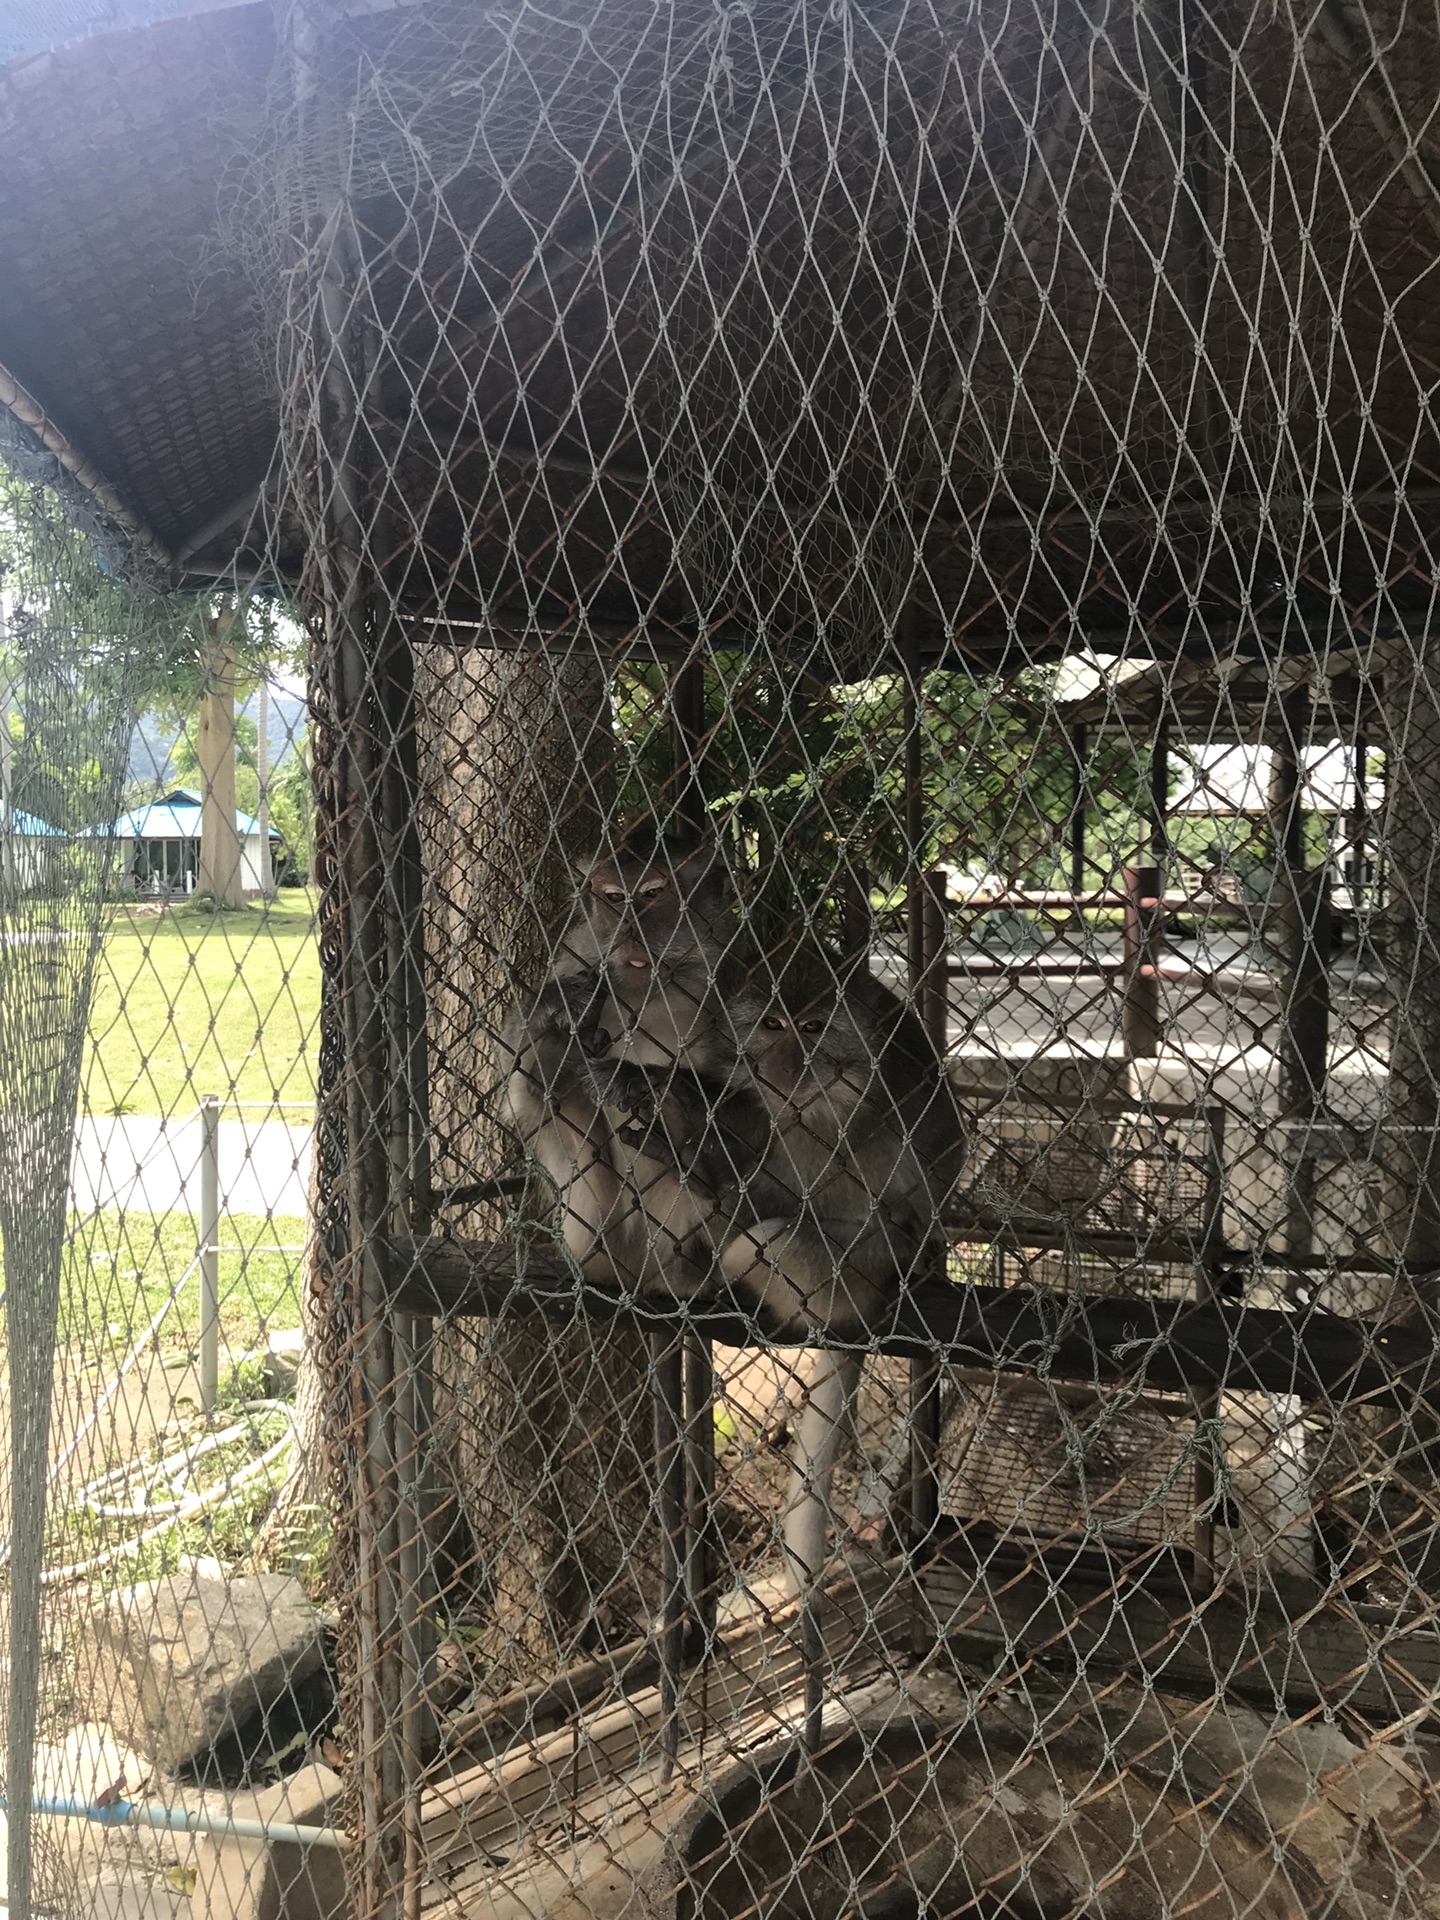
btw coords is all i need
(183, 1662)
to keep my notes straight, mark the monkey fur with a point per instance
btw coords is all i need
(615, 1061)
(866, 1140)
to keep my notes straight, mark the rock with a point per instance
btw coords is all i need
(274, 1880)
(182, 1663)
(281, 1360)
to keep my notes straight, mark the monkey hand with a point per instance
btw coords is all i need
(657, 1120)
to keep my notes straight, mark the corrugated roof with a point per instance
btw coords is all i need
(31, 826)
(175, 816)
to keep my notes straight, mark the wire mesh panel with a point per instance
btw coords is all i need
(866, 592)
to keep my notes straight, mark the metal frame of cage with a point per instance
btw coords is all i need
(395, 1273)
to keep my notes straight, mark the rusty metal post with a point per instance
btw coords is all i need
(921, 907)
(1140, 981)
(1079, 741)
(694, 1568)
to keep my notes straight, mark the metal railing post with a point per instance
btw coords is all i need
(209, 1250)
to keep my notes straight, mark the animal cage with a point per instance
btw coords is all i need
(884, 451)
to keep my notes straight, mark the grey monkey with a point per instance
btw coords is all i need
(866, 1140)
(609, 1058)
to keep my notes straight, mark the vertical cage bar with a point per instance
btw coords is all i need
(398, 801)
(1359, 828)
(667, 1373)
(687, 741)
(1299, 935)
(687, 748)
(934, 985)
(1140, 981)
(1207, 1404)
(700, 1541)
(857, 926)
(921, 907)
(1078, 802)
(360, 644)
(1159, 782)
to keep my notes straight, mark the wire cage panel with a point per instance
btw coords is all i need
(866, 581)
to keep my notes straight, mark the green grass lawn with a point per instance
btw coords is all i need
(120, 1267)
(189, 1001)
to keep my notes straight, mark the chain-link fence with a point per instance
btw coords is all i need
(813, 1292)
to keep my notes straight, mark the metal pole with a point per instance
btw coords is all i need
(687, 749)
(1300, 939)
(700, 1488)
(667, 1375)
(921, 906)
(687, 735)
(1140, 984)
(934, 986)
(856, 920)
(1359, 829)
(1160, 793)
(209, 1251)
(1078, 746)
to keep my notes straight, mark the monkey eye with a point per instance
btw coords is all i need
(772, 1023)
(652, 887)
(615, 895)
(812, 1026)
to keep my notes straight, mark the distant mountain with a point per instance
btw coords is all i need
(153, 738)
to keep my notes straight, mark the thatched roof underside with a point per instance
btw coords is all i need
(1113, 326)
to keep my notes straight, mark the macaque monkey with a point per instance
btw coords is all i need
(866, 1142)
(611, 1058)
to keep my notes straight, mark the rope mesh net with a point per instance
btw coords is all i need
(863, 580)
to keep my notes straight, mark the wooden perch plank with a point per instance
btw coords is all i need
(1169, 1344)
(1240, 1644)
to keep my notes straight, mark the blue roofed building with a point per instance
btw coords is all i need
(159, 845)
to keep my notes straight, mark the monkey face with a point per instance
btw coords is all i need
(808, 1059)
(652, 916)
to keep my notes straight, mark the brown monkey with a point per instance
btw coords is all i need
(866, 1141)
(610, 1057)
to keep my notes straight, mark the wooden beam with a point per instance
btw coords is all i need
(1320, 1650)
(1167, 1344)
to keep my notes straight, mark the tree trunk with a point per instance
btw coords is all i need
(545, 1433)
(302, 1501)
(220, 874)
(262, 789)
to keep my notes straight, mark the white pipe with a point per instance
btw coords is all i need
(228, 1826)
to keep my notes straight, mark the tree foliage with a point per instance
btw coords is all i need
(809, 779)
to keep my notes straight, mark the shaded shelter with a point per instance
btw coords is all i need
(563, 360)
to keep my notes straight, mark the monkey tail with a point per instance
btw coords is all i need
(805, 1527)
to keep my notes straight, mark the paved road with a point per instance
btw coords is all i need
(151, 1166)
